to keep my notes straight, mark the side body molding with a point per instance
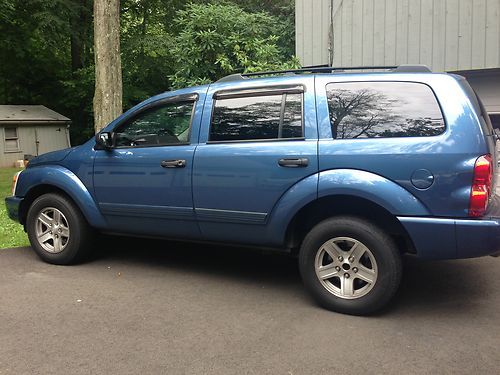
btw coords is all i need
(65, 180)
(369, 186)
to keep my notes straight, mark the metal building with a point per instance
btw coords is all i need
(460, 36)
(30, 130)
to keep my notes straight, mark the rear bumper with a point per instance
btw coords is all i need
(448, 238)
(436, 238)
(13, 205)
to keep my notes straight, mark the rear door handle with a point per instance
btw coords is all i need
(293, 162)
(177, 163)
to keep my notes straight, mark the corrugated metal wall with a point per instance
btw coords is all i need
(312, 24)
(447, 35)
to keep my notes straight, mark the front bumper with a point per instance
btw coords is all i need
(13, 205)
(443, 238)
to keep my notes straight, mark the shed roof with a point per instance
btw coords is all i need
(30, 114)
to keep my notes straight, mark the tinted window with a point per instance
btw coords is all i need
(292, 117)
(383, 109)
(257, 117)
(162, 125)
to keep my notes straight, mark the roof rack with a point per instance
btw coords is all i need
(405, 68)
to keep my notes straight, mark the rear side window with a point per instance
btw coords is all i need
(276, 116)
(382, 110)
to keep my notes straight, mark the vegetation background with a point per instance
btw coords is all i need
(46, 49)
(11, 233)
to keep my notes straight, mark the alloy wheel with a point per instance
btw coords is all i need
(52, 230)
(346, 267)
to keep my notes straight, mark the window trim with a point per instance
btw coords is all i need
(171, 99)
(258, 140)
(387, 81)
(186, 98)
(16, 138)
(259, 92)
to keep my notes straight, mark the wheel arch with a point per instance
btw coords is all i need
(34, 193)
(345, 205)
(56, 179)
(342, 192)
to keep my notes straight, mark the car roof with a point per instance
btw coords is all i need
(328, 69)
(254, 79)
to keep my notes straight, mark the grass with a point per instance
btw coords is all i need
(11, 233)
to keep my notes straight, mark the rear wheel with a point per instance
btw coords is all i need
(57, 230)
(350, 266)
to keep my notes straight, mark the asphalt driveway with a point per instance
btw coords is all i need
(159, 307)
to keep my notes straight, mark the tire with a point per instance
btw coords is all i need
(365, 277)
(57, 230)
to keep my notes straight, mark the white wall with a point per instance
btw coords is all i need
(312, 23)
(446, 35)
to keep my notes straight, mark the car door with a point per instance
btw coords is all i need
(256, 142)
(143, 183)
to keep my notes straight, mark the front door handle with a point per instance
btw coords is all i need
(293, 162)
(177, 163)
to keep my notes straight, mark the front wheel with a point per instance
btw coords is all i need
(57, 230)
(350, 266)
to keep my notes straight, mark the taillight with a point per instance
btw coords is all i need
(481, 186)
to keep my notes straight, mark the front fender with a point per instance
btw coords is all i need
(369, 186)
(67, 181)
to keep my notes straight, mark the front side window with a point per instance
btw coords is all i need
(383, 109)
(11, 139)
(167, 124)
(273, 116)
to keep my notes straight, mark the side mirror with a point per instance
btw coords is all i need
(104, 140)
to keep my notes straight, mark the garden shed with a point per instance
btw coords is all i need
(30, 130)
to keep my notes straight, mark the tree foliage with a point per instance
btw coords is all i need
(36, 60)
(46, 48)
(219, 39)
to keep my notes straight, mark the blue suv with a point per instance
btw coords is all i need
(346, 170)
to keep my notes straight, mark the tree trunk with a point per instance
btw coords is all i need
(108, 69)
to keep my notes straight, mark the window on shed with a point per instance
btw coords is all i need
(383, 109)
(11, 139)
(271, 116)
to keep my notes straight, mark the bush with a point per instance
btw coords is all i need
(220, 39)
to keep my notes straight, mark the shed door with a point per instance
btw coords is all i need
(27, 138)
(51, 138)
